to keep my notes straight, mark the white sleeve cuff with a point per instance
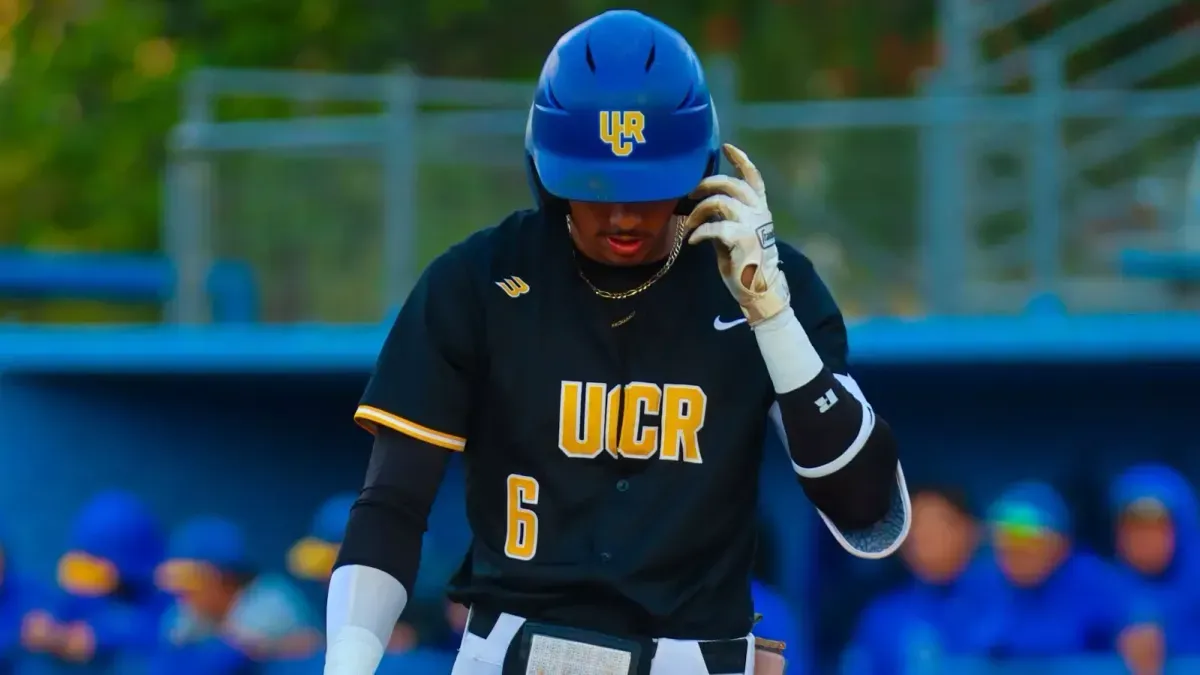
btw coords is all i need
(362, 610)
(788, 353)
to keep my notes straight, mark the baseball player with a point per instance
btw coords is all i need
(608, 364)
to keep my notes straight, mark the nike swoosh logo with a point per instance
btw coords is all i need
(726, 325)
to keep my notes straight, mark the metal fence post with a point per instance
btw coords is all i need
(186, 207)
(959, 37)
(943, 184)
(1046, 171)
(958, 30)
(399, 187)
(721, 72)
(1190, 223)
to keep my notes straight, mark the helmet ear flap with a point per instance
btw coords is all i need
(687, 204)
(545, 201)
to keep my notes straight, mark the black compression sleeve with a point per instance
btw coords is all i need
(391, 514)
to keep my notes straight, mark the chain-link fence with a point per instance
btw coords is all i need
(947, 202)
(337, 213)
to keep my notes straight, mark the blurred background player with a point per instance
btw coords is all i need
(20, 594)
(227, 616)
(1053, 600)
(312, 557)
(933, 616)
(1156, 537)
(106, 615)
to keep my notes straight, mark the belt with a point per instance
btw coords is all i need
(721, 657)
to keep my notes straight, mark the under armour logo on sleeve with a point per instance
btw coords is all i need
(827, 401)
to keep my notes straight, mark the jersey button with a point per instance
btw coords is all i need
(622, 485)
(605, 556)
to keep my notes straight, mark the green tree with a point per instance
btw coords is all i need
(89, 92)
(86, 95)
(84, 105)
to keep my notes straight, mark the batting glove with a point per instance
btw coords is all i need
(734, 217)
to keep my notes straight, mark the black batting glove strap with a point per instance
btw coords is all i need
(822, 421)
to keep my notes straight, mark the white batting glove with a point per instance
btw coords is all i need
(744, 235)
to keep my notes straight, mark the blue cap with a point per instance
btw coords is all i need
(118, 526)
(212, 540)
(1150, 490)
(1030, 509)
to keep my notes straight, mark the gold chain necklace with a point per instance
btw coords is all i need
(621, 295)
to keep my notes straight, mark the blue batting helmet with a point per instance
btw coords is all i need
(622, 113)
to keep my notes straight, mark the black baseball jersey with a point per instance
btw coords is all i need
(611, 471)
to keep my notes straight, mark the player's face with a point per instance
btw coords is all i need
(210, 593)
(623, 234)
(941, 542)
(1146, 544)
(1028, 560)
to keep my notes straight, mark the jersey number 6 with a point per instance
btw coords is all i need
(520, 540)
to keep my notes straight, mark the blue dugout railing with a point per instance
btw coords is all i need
(353, 348)
(230, 286)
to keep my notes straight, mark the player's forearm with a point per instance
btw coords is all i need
(363, 606)
(383, 533)
(380, 551)
(389, 519)
(844, 455)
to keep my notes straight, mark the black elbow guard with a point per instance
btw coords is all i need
(859, 494)
(824, 422)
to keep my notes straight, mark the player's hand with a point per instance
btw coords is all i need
(768, 663)
(734, 217)
(1143, 648)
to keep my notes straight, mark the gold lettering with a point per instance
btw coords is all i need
(684, 409)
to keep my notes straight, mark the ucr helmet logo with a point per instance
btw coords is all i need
(622, 129)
